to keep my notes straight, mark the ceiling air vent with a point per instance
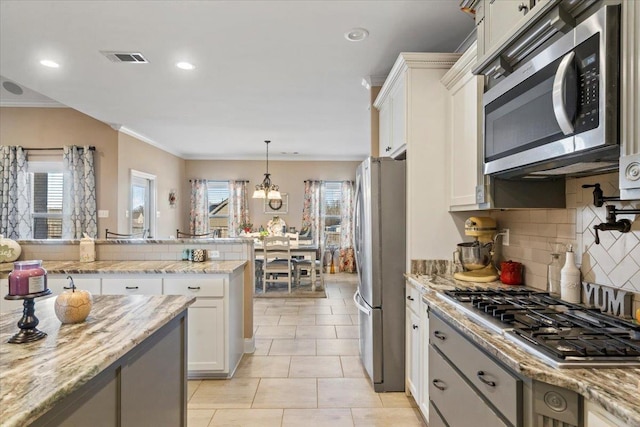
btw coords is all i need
(128, 57)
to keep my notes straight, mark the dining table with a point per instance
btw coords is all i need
(297, 248)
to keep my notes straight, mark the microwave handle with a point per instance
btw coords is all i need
(559, 89)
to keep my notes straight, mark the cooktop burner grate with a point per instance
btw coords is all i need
(561, 333)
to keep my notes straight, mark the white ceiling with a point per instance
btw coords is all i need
(278, 70)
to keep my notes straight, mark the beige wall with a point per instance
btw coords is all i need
(169, 171)
(289, 175)
(55, 127)
(116, 154)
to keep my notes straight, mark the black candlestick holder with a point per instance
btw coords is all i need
(29, 321)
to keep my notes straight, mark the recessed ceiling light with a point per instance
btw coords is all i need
(185, 65)
(356, 34)
(49, 63)
(12, 87)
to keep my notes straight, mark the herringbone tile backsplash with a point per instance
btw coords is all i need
(615, 262)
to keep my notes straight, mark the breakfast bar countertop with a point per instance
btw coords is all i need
(35, 376)
(614, 389)
(134, 267)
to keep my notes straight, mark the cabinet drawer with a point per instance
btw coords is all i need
(435, 420)
(413, 298)
(132, 286)
(195, 286)
(447, 391)
(498, 385)
(59, 284)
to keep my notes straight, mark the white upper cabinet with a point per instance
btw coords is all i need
(496, 20)
(464, 137)
(393, 119)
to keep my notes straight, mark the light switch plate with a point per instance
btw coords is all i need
(103, 214)
(214, 254)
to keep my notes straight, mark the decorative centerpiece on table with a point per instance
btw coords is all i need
(246, 227)
(276, 226)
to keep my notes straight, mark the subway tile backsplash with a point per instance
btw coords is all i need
(615, 262)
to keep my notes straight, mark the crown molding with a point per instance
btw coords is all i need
(417, 60)
(149, 141)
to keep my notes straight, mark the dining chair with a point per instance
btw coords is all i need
(211, 234)
(111, 235)
(277, 265)
(306, 264)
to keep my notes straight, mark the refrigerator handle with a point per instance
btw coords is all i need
(357, 226)
(362, 308)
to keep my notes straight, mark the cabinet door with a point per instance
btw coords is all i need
(423, 401)
(206, 336)
(502, 16)
(385, 129)
(413, 354)
(466, 140)
(398, 118)
(132, 285)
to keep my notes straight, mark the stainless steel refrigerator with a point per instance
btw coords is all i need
(379, 241)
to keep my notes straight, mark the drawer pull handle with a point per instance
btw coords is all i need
(194, 288)
(410, 298)
(440, 335)
(131, 287)
(481, 378)
(415, 326)
(439, 387)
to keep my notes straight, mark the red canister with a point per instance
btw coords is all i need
(511, 273)
(27, 277)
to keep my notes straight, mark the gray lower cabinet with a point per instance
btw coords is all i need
(466, 386)
(458, 403)
(145, 387)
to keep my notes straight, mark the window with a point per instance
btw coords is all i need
(332, 198)
(142, 203)
(218, 195)
(46, 180)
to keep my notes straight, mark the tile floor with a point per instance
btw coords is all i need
(305, 371)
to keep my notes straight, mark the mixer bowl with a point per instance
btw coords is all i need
(473, 255)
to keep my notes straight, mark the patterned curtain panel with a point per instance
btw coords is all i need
(312, 211)
(199, 217)
(347, 257)
(79, 214)
(15, 197)
(238, 206)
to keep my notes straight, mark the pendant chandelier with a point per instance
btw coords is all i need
(267, 190)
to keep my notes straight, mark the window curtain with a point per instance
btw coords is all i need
(79, 214)
(238, 206)
(199, 216)
(15, 197)
(312, 211)
(347, 256)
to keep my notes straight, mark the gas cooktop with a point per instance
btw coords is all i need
(562, 334)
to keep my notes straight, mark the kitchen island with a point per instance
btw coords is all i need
(217, 336)
(616, 390)
(125, 365)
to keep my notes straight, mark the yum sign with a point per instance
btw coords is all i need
(611, 301)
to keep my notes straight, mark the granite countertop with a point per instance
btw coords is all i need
(37, 375)
(221, 240)
(616, 390)
(135, 267)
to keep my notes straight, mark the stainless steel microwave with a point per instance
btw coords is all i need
(558, 113)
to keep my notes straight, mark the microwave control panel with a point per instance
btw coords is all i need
(587, 63)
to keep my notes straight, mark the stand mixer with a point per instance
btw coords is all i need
(476, 256)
